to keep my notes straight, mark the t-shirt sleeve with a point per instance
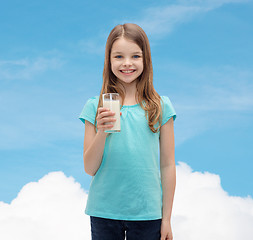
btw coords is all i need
(168, 110)
(89, 110)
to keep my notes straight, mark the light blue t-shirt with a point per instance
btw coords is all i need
(127, 185)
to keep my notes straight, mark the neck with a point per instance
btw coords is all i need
(130, 91)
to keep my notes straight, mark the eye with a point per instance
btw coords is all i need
(118, 56)
(136, 56)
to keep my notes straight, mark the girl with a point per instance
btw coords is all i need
(128, 193)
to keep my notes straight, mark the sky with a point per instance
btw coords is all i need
(51, 62)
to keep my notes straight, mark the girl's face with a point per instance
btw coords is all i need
(126, 60)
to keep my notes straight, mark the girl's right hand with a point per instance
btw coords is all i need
(105, 119)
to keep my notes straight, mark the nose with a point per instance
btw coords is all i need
(127, 62)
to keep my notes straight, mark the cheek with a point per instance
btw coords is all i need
(114, 68)
(115, 65)
(141, 67)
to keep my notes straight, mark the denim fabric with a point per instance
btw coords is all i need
(110, 229)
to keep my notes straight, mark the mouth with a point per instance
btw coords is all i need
(127, 72)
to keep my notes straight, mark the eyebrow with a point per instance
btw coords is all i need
(132, 53)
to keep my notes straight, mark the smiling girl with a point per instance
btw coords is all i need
(130, 196)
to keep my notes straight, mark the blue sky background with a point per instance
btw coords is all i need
(51, 62)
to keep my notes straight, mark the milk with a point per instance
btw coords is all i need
(114, 106)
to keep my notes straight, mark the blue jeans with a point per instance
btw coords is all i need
(110, 229)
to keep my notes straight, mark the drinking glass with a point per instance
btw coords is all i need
(111, 101)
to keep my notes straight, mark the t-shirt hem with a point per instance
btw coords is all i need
(167, 119)
(120, 217)
(86, 118)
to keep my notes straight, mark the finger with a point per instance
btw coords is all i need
(107, 113)
(104, 112)
(102, 109)
(106, 120)
(105, 127)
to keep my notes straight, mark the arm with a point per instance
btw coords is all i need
(94, 143)
(167, 167)
(93, 150)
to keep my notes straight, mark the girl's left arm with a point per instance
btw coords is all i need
(167, 167)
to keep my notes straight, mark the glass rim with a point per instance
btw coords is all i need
(110, 93)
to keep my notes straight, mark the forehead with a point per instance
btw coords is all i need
(124, 46)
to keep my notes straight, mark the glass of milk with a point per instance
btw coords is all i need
(111, 101)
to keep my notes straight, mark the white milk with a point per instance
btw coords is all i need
(114, 106)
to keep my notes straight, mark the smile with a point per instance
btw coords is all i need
(127, 72)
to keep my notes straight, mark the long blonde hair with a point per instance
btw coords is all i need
(145, 89)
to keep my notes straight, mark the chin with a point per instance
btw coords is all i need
(127, 81)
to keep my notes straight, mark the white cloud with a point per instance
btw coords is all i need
(92, 46)
(162, 20)
(208, 97)
(219, 88)
(26, 68)
(203, 210)
(37, 116)
(53, 208)
(157, 21)
(32, 130)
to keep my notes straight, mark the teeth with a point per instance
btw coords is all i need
(127, 71)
